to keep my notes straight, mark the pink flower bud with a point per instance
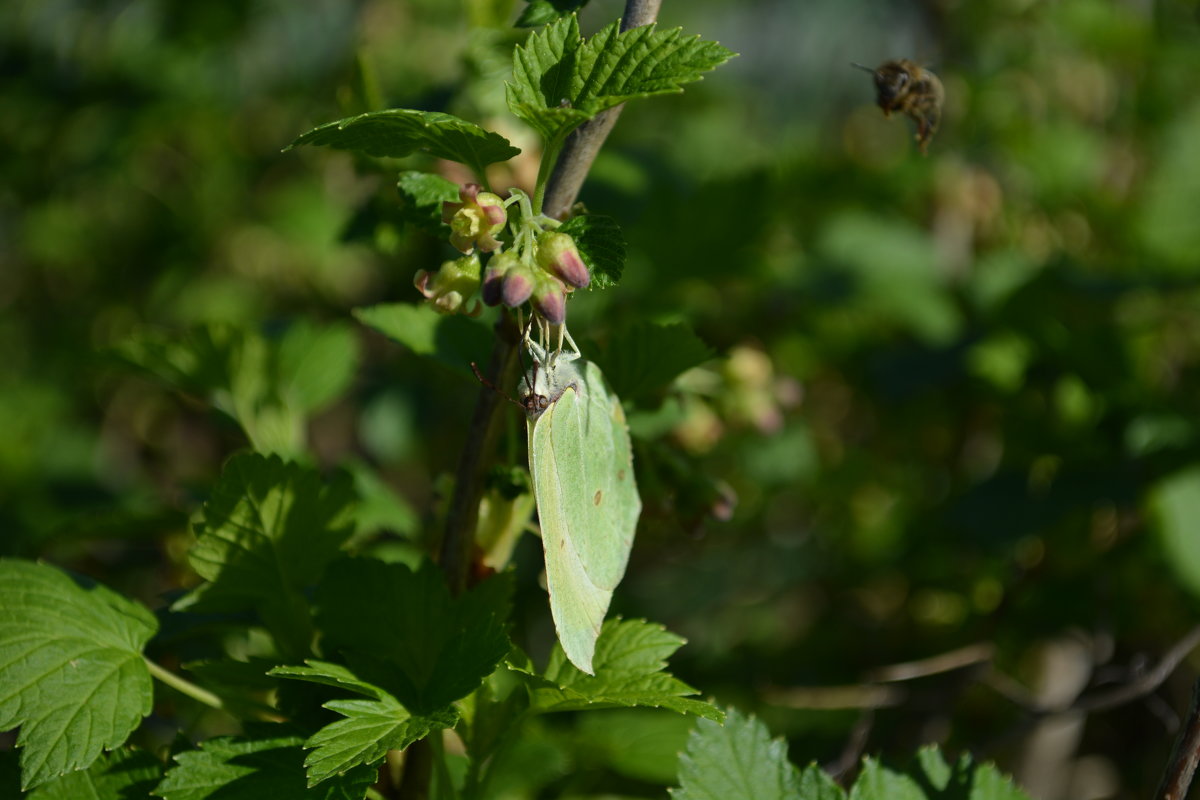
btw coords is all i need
(516, 286)
(493, 279)
(558, 255)
(476, 220)
(550, 299)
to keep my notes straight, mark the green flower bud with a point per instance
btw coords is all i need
(451, 286)
(493, 279)
(475, 221)
(558, 255)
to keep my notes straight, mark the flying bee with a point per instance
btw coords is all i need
(901, 85)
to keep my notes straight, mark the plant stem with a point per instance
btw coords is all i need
(445, 786)
(571, 168)
(1177, 778)
(584, 143)
(183, 685)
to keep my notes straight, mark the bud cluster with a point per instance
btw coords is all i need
(540, 266)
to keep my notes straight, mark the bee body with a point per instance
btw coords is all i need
(902, 85)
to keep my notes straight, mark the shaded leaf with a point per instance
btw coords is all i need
(815, 784)
(400, 132)
(123, 774)
(540, 12)
(265, 765)
(737, 761)
(453, 341)
(643, 359)
(1175, 503)
(265, 535)
(601, 245)
(421, 198)
(72, 673)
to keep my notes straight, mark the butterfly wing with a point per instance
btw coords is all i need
(588, 506)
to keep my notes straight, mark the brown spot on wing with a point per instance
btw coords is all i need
(596, 500)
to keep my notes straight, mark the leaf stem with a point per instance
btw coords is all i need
(445, 786)
(184, 686)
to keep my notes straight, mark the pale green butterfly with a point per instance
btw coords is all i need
(587, 499)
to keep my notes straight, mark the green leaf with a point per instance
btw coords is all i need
(72, 673)
(264, 537)
(561, 80)
(638, 743)
(1175, 503)
(330, 674)
(931, 778)
(601, 245)
(739, 761)
(119, 775)
(815, 784)
(453, 341)
(540, 12)
(316, 364)
(435, 648)
(629, 661)
(267, 386)
(644, 358)
(400, 132)
(253, 768)
(421, 198)
(370, 729)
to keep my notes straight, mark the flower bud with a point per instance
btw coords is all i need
(493, 279)
(558, 255)
(475, 221)
(451, 286)
(517, 285)
(550, 299)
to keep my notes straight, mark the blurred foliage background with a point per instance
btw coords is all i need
(953, 399)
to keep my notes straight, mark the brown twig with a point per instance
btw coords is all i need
(1177, 778)
(584, 143)
(570, 170)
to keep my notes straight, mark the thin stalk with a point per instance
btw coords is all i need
(445, 786)
(184, 686)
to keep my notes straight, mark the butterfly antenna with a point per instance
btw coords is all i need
(864, 69)
(492, 386)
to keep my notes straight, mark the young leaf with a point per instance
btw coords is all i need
(400, 132)
(540, 12)
(421, 198)
(876, 781)
(815, 784)
(629, 661)
(561, 80)
(601, 246)
(315, 364)
(119, 775)
(71, 668)
(435, 648)
(454, 341)
(642, 359)
(930, 778)
(265, 764)
(264, 536)
(739, 761)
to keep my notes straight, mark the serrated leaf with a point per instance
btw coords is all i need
(540, 12)
(122, 774)
(561, 80)
(737, 761)
(370, 729)
(815, 784)
(629, 661)
(329, 674)
(253, 768)
(642, 359)
(72, 673)
(265, 536)
(453, 341)
(421, 198)
(435, 648)
(601, 245)
(400, 132)
(930, 778)
(638, 743)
